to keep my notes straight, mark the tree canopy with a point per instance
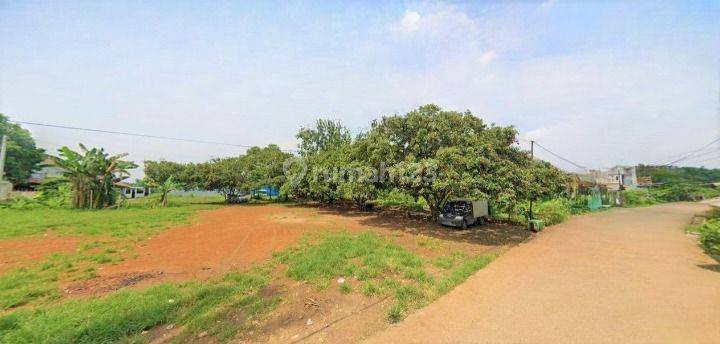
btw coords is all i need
(674, 174)
(23, 156)
(429, 153)
(232, 176)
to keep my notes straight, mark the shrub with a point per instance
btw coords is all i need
(637, 198)
(18, 202)
(579, 205)
(709, 231)
(55, 193)
(684, 192)
(553, 211)
(398, 198)
(710, 238)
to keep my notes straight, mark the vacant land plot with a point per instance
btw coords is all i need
(328, 273)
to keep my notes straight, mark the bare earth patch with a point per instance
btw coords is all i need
(238, 237)
(17, 252)
(106, 284)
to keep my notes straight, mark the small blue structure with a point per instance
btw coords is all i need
(266, 190)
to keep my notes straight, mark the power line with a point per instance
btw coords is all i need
(708, 159)
(688, 156)
(560, 157)
(139, 135)
(716, 150)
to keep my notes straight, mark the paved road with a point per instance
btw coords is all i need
(622, 276)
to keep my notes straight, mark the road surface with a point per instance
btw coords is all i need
(621, 276)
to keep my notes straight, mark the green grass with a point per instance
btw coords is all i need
(221, 307)
(464, 270)
(365, 256)
(36, 284)
(346, 288)
(135, 219)
(382, 266)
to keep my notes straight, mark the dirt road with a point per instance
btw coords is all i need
(623, 276)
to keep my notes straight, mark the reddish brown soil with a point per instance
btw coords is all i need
(16, 252)
(222, 240)
(105, 284)
(310, 315)
(236, 237)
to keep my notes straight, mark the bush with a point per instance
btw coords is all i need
(710, 238)
(18, 202)
(684, 192)
(55, 193)
(397, 198)
(579, 205)
(709, 232)
(553, 211)
(637, 198)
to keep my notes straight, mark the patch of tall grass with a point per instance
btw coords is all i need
(196, 306)
(380, 265)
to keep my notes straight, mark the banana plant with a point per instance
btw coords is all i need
(164, 188)
(92, 174)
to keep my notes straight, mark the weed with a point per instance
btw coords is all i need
(429, 242)
(370, 288)
(122, 315)
(444, 262)
(396, 313)
(462, 272)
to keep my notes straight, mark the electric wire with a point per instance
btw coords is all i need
(158, 137)
(688, 156)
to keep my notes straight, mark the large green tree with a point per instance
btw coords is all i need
(23, 156)
(265, 166)
(327, 134)
(437, 154)
(232, 177)
(320, 173)
(162, 170)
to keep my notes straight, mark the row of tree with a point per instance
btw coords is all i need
(233, 177)
(428, 153)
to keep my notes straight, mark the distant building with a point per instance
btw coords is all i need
(616, 177)
(48, 170)
(130, 191)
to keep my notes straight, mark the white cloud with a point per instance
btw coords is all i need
(409, 22)
(548, 3)
(488, 57)
(436, 21)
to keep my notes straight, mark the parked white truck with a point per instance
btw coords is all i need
(463, 212)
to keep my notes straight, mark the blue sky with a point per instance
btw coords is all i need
(598, 82)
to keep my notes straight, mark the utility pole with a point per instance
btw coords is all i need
(3, 150)
(5, 187)
(532, 157)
